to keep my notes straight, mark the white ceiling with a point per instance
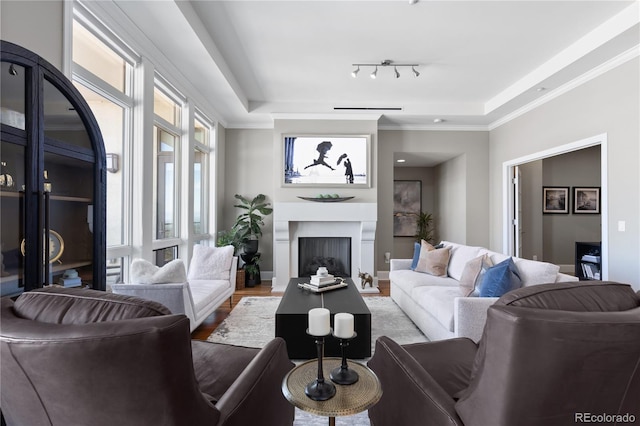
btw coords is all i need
(480, 61)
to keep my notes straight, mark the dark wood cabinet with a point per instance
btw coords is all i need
(588, 261)
(52, 179)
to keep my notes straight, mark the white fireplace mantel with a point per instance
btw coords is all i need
(322, 219)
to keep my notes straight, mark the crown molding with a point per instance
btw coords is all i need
(613, 63)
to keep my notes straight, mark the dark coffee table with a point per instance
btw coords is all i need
(292, 320)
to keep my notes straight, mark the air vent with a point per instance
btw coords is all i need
(367, 108)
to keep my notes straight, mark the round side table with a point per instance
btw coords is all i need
(349, 399)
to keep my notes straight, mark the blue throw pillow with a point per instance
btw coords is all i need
(416, 256)
(500, 279)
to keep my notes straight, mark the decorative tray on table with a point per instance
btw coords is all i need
(326, 199)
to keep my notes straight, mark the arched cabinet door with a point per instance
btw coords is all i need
(52, 179)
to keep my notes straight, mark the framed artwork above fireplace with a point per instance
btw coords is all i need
(334, 161)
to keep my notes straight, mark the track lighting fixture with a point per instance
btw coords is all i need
(12, 70)
(385, 63)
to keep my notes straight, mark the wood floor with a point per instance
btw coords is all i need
(212, 322)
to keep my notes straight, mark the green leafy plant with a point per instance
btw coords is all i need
(252, 269)
(249, 224)
(424, 229)
(229, 237)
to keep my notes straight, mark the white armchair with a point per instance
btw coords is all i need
(211, 281)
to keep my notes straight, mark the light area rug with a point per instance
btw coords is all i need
(252, 323)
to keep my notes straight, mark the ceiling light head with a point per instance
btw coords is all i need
(413, 1)
(415, 71)
(400, 160)
(374, 74)
(13, 70)
(355, 72)
(541, 89)
(395, 72)
(438, 120)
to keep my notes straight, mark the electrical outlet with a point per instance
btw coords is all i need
(622, 226)
(387, 257)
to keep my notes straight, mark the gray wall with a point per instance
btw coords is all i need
(249, 166)
(578, 168)
(403, 246)
(532, 227)
(461, 216)
(455, 203)
(608, 104)
(35, 25)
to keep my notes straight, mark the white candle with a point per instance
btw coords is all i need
(319, 322)
(343, 326)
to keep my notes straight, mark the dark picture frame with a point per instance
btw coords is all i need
(407, 204)
(335, 161)
(586, 200)
(555, 199)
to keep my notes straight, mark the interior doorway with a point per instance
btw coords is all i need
(512, 198)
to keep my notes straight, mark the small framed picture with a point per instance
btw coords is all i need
(586, 200)
(555, 199)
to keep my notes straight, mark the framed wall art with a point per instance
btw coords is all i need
(407, 204)
(555, 199)
(586, 200)
(326, 160)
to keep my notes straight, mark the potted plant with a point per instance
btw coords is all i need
(249, 223)
(424, 231)
(252, 271)
(229, 238)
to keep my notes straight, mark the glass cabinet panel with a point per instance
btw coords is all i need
(12, 177)
(61, 120)
(13, 95)
(52, 180)
(70, 217)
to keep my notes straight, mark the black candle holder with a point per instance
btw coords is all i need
(343, 375)
(319, 390)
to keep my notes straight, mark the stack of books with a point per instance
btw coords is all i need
(322, 280)
(318, 284)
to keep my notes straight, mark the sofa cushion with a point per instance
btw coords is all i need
(472, 275)
(56, 305)
(416, 255)
(144, 272)
(407, 280)
(204, 292)
(437, 301)
(533, 272)
(210, 263)
(593, 296)
(460, 255)
(500, 279)
(433, 261)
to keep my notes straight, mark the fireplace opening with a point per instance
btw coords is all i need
(334, 253)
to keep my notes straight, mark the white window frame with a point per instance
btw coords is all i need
(207, 176)
(81, 75)
(182, 137)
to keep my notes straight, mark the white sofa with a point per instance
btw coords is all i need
(436, 305)
(196, 298)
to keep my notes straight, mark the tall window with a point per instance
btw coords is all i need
(166, 143)
(103, 73)
(201, 150)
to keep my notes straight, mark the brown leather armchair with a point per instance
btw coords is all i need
(551, 354)
(84, 357)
